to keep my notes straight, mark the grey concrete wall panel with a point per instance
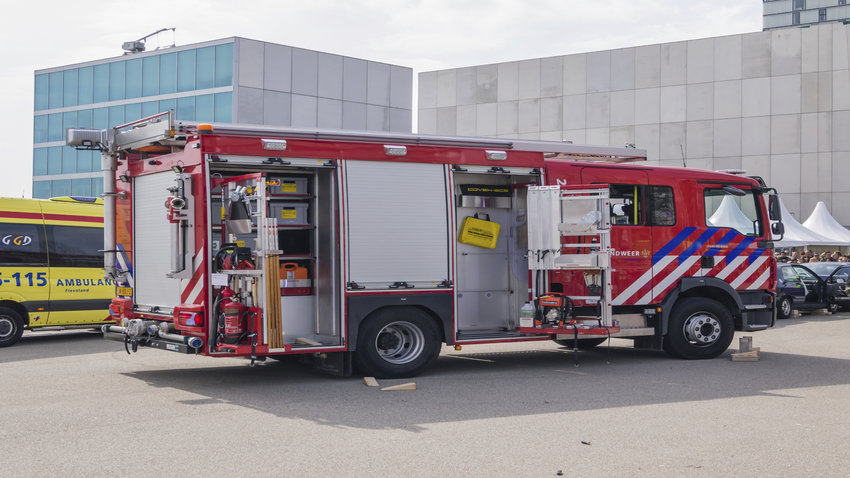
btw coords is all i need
(672, 104)
(508, 81)
(728, 58)
(400, 120)
(672, 136)
(599, 72)
(648, 106)
(355, 79)
(622, 135)
(277, 108)
(785, 134)
(466, 120)
(304, 111)
(508, 118)
(755, 136)
(577, 136)
(250, 107)
(699, 139)
(447, 121)
(809, 133)
(756, 54)
(552, 77)
(758, 165)
(466, 86)
(378, 86)
(354, 116)
(726, 162)
(841, 214)
(330, 78)
(785, 172)
(599, 136)
(841, 124)
(840, 90)
(575, 107)
(575, 74)
(648, 66)
(305, 72)
(529, 79)
(809, 92)
(277, 72)
(487, 119)
(426, 120)
(428, 90)
(700, 101)
(551, 114)
(786, 51)
(785, 94)
(446, 88)
(727, 99)
(487, 77)
(250, 63)
(378, 118)
(824, 132)
(755, 97)
(329, 113)
(401, 88)
(727, 137)
(809, 50)
(647, 136)
(529, 116)
(810, 165)
(700, 61)
(622, 108)
(598, 110)
(825, 47)
(623, 69)
(673, 61)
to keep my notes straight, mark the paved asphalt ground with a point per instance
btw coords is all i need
(72, 404)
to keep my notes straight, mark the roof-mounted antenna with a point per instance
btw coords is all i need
(138, 46)
(682, 149)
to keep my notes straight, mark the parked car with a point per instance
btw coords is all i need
(835, 272)
(801, 288)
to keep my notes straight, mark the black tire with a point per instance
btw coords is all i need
(11, 326)
(699, 328)
(783, 307)
(832, 307)
(397, 342)
(583, 344)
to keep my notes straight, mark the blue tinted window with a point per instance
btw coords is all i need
(96, 187)
(69, 97)
(39, 161)
(41, 189)
(168, 73)
(149, 108)
(96, 161)
(42, 85)
(61, 187)
(81, 187)
(69, 160)
(205, 68)
(116, 116)
(84, 88)
(54, 127)
(132, 112)
(69, 120)
(133, 84)
(150, 76)
(54, 96)
(186, 70)
(39, 130)
(204, 109)
(99, 118)
(165, 105)
(101, 83)
(116, 81)
(84, 161)
(223, 107)
(186, 108)
(84, 119)
(224, 65)
(54, 160)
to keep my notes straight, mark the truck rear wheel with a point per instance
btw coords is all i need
(699, 328)
(11, 326)
(397, 342)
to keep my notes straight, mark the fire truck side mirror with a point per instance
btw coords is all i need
(777, 228)
(774, 210)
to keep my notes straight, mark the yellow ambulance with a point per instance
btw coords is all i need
(51, 265)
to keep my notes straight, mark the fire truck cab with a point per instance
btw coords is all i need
(372, 250)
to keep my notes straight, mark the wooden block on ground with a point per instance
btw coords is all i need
(370, 381)
(752, 356)
(404, 386)
(303, 341)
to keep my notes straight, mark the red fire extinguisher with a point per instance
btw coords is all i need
(232, 325)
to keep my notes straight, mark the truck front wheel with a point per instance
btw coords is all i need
(11, 326)
(397, 342)
(699, 328)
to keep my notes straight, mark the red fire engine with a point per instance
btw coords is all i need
(373, 249)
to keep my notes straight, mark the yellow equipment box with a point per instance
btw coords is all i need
(478, 232)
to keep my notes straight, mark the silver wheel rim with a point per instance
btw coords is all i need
(786, 307)
(702, 329)
(7, 327)
(400, 342)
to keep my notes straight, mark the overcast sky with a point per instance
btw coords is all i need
(421, 34)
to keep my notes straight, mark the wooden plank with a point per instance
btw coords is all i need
(404, 386)
(306, 341)
(752, 356)
(370, 382)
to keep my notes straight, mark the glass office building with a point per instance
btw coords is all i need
(227, 80)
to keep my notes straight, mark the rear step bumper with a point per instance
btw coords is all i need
(156, 343)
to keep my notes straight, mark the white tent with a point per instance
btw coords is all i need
(824, 224)
(728, 214)
(797, 234)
